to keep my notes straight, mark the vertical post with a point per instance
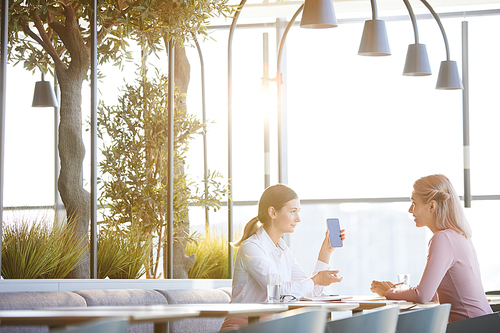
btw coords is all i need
(3, 78)
(170, 191)
(265, 84)
(204, 119)
(93, 143)
(281, 75)
(230, 138)
(282, 106)
(465, 102)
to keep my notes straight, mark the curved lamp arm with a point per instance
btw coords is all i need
(283, 39)
(436, 17)
(374, 9)
(413, 20)
(230, 134)
(204, 118)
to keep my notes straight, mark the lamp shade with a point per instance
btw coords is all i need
(417, 61)
(318, 14)
(374, 41)
(44, 95)
(448, 76)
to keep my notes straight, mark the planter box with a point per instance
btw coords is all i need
(88, 284)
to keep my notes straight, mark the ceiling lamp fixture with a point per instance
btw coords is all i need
(374, 41)
(417, 61)
(448, 77)
(318, 14)
(44, 95)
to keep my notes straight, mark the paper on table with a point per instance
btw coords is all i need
(326, 298)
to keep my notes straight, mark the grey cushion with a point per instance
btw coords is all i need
(100, 297)
(193, 297)
(34, 300)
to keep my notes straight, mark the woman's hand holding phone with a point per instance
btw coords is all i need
(326, 248)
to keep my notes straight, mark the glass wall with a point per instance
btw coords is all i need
(358, 129)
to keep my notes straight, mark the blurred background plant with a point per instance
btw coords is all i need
(134, 182)
(122, 253)
(35, 248)
(211, 257)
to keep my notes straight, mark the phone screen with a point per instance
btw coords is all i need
(334, 228)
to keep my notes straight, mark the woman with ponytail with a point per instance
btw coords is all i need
(451, 274)
(262, 252)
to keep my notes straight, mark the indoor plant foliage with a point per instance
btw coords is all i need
(38, 250)
(133, 186)
(54, 35)
(211, 257)
(122, 253)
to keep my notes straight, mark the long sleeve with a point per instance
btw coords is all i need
(259, 265)
(440, 258)
(258, 257)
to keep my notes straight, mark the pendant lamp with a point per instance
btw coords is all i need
(417, 61)
(448, 78)
(318, 14)
(374, 41)
(44, 95)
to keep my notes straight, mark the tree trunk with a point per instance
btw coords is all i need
(71, 147)
(182, 262)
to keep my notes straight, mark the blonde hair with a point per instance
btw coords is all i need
(449, 212)
(274, 196)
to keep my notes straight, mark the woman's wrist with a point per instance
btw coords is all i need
(325, 257)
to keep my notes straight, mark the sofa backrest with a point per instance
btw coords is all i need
(35, 300)
(102, 297)
(39, 299)
(107, 297)
(198, 296)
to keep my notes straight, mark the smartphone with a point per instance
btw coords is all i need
(334, 228)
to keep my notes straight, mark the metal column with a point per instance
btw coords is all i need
(169, 274)
(3, 78)
(465, 101)
(230, 137)
(93, 142)
(265, 85)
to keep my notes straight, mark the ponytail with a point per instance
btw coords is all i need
(250, 228)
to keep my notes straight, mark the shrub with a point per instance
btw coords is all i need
(38, 250)
(122, 254)
(211, 257)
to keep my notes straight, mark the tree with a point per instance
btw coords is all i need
(62, 42)
(134, 168)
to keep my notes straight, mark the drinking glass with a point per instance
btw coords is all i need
(403, 281)
(274, 288)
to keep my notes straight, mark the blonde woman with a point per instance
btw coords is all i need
(451, 274)
(262, 251)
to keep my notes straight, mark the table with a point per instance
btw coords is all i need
(159, 314)
(356, 303)
(329, 306)
(78, 315)
(251, 310)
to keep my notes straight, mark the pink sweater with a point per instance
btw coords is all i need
(451, 275)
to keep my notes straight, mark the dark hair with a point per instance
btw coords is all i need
(274, 196)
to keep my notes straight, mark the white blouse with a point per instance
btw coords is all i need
(257, 257)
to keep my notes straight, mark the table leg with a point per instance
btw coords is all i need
(161, 327)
